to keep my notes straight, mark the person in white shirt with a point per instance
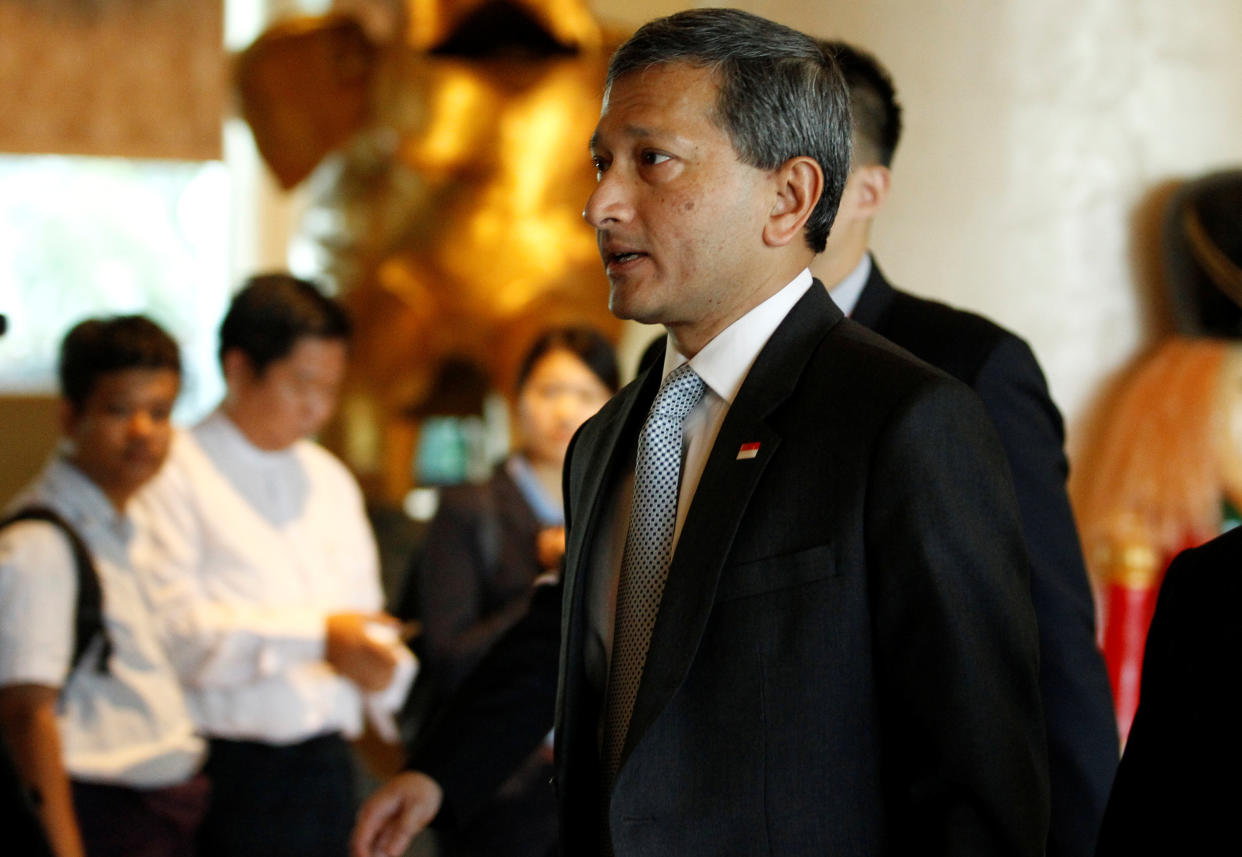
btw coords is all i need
(268, 587)
(89, 705)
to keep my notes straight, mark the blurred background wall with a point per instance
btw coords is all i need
(1042, 137)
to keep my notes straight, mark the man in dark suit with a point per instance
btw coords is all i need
(1176, 789)
(996, 364)
(842, 653)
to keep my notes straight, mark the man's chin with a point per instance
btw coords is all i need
(625, 304)
(135, 476)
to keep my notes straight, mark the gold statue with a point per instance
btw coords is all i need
(448, 169)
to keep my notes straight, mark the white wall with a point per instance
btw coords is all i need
(1035, 132)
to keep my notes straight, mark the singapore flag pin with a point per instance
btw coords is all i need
(747, 450)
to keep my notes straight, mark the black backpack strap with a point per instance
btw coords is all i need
(88, 620)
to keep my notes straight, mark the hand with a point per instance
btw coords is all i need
(358, 654)
(550, 547)
(394, 814)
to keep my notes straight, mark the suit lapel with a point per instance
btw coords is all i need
(597, 455)
(598, 448)
(720, 503)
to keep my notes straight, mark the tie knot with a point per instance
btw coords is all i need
(679, 393)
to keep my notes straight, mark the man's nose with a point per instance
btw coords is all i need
(566, 408)
(607, 203)
(317, 407)
(141, 423)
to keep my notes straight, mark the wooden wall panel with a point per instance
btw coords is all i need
(130, 78)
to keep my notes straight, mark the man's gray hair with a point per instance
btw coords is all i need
(779, 97)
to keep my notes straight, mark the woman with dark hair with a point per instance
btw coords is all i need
(489, 546)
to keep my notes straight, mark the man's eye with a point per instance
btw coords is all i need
(654, 158)
(601, 166)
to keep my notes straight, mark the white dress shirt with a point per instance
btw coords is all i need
(127, 726)
(723, 365)
(257, 549)
(846, 293)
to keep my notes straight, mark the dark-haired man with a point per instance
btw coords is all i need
(89, 704)
(996, 364)
(796, 618)
(268, 587)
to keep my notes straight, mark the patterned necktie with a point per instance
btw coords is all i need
(648, 549)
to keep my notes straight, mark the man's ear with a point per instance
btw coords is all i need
(799, 183)
(872, 185)
(235, 365)
(68, 415)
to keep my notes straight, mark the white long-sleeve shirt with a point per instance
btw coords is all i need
(257, 549)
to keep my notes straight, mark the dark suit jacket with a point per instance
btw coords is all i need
(475, 579)
(1078, 707)
(476, 573)
(845, 659)
(1177, 790)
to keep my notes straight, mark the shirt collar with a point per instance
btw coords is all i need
(220, 432)
(724, 362)
(846, 293)
(79, 496)
(548, 513)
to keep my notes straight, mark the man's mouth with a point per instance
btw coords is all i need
(622, 258)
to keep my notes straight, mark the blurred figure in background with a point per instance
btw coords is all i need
(1003, 371)
(267, 587)
(489, 546)
(1176, 791)
(1164, 470)
(90, 707)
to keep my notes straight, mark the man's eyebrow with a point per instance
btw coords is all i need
(633, 132)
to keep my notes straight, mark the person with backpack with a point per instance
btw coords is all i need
(90, 708)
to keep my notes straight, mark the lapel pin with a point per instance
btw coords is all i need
(747, 450)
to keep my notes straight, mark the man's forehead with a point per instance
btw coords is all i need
(132, 381)
(652, 77)
(644, 104)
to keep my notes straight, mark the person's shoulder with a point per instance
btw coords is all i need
(854, 348)
(880, 384)
(1214, 563)
(323, 464)
(36, 536)
(38, 590)
(954, 339)
(36, 552)
(1198, 600)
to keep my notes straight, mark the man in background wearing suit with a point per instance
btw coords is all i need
(1082, 730)
(817, 637)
